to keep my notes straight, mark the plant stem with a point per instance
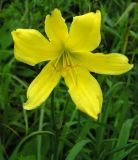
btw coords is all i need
(39, 138)
(26, 121)
(54, 128)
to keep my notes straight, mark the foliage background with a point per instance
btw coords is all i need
(56, 131)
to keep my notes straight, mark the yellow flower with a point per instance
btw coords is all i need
(70, 57)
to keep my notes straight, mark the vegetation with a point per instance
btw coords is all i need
(56, 130)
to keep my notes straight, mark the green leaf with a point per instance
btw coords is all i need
(76, 149)
(126, 12)
(15, 152)
(30, 157)
(123, 139)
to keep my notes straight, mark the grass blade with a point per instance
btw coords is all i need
(76, 149)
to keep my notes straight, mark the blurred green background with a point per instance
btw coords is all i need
(56, 131)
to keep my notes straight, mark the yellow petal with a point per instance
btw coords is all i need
(84, 33)
(84, 91)
(42, 86)
(31, 47)
(55, 27)
(113, 64)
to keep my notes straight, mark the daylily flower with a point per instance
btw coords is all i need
(69, 55)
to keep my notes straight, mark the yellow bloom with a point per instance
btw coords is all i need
(70, 57)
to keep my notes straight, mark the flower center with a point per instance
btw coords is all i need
(64, 62)
(66, 59)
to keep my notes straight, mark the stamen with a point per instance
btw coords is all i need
(64, 64)
(58, 59)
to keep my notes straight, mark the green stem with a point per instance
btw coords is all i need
(78, 126)
(39, 138)
(65, 131)
(54, 128)
(26, 121)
